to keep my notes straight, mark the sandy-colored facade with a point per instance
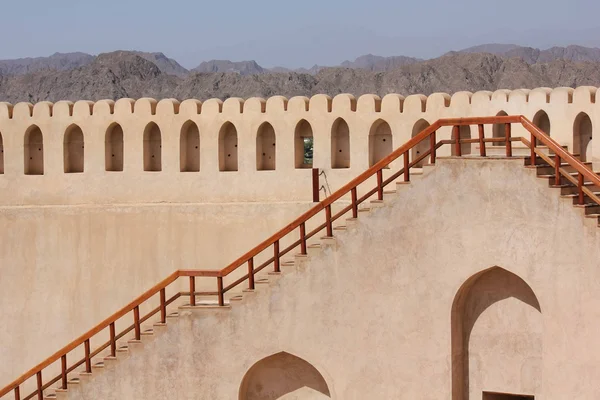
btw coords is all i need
(100, 201)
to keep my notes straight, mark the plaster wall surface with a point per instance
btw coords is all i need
(374, 315)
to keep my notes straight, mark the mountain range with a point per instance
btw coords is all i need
(135, 74)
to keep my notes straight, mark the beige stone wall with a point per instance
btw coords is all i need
(374, 316)
(348, 135)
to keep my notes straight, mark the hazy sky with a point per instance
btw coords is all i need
(290, 33)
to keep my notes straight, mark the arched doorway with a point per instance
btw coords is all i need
(228, 148)
(113, 148)
(541, 120)
(283, 376)
(265, 148)
(189, 148)
(583, 136)
(73, 150)
(421, 147)
(496, 337)
(340, 144)
(303, 145)
(380, 141)
(152, 148)
(33, 144)
(498, 130)
(464, 132)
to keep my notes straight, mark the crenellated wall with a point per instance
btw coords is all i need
(146, 151)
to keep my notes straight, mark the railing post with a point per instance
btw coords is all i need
(220, 291)
(251, 273)
(63, 371)
(192, 291)
(508, 141)
(18, 393)
(380, 184)
(354, 193)
(482, 150)
(433, 150)
(88, 360)
(303, 238)
(406, 169)
(533, 155)
(580, 187)
(315, 184)
(276, 267)
(456, 134)
(163, 306)
(40, 393)
(328, 222)
(557, 170)
(136, 323)
(113, 340)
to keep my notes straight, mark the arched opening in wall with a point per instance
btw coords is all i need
(283, 376)
(265, 148)
(380, 142)
(73, 150)
(189, 148)
(496, 337)
(583, 136)
(1, 155)
(152, 148)
(113, 148)
(464, 132)
(228, 148)
(340, 144)
(498, 130)
(34, 151)
(303, 145)
(541, 120)
(421, 147)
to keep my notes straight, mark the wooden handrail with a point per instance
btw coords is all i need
(300, 222)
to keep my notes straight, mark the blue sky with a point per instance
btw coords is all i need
(290, 33)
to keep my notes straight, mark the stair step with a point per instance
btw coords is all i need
(290, 263)
(148, 332)
(122, 349)
(261, 281)
(98, 365)
(340, 228)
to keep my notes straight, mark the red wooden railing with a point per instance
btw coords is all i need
(560, 156)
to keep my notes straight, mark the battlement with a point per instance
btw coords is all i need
(137, 151)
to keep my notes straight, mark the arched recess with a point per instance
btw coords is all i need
(189, 148)
(583, 136)
(496, 336)
(380, 141)
(303, 145)
(1, 155)
(283, 376)
(228, 148)
(498, 130)
(113, 148)
(265, 148)
(340, 144)
(73, 150)
(34, 151)
(465, 148)
(421, 147)
(152, 148)
(541, 120)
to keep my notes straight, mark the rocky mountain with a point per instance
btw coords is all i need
(57, 61)
(532, 55)
(125, 74)
(378, 63)
(240, 67)
(164, 63)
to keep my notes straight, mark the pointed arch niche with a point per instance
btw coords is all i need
(189, 148)
(283, 375)
(73, 150)
(421, 147)
(152, 148)
(582, 136)
(541, 120)
(265, 148)
(113, 148)
(464, 132)
(33, 146)
(496, 338)
(228, 148)
(380, 141)
(498, 130)
(1, 155)
(303, 145)
(340, 144)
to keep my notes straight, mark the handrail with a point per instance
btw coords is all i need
(300, 222)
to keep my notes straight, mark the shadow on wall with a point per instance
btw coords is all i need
(422, 146)
(507, 341)
(582, 137)
(283, 376)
